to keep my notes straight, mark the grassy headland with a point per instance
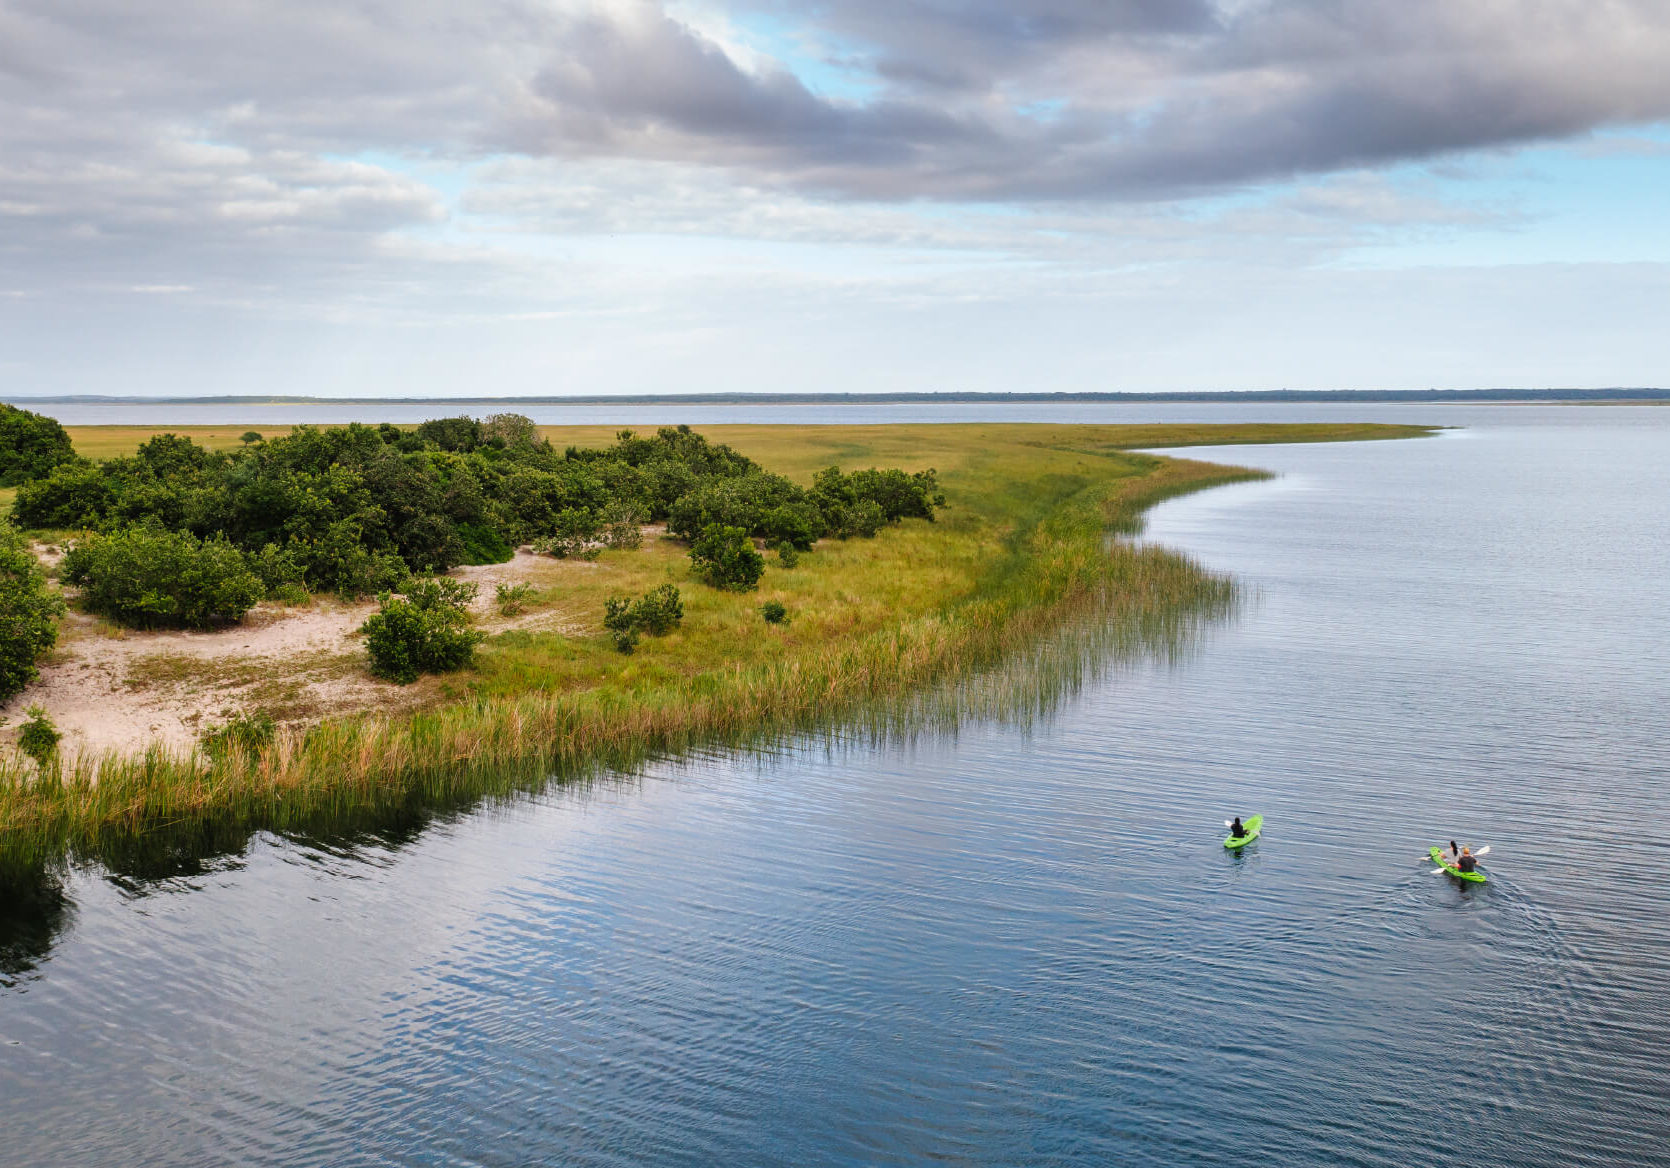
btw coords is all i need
(1021, 550)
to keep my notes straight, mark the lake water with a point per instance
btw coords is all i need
(1015, 944)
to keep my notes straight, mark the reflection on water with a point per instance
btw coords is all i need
(1018, 941)
(181, 853)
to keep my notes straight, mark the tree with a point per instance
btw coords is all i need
(725, 558)
(31, 445)
(426, 631)
(29, 612)
(249, 436)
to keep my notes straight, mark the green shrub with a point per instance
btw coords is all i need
(250, 731)
(425, 631)
(249, 436)
(146, 576)
(512, 598)
(278, 566)
(573, 533)
(29, 612)
(787, 555)
(38, 737)
(724, 557)
(483, 544)
(72, 496)
(657, 613)
(774, 612)
(31, 446)
(623, 527)
(617, 620)
(291, 594)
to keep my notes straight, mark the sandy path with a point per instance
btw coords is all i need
(113, 689)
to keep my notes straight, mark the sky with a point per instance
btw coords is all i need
(542, 197)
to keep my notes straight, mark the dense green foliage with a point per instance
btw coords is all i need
(146, 575)
(31, 446)
(357, 509)
(658, 612)
(725, 558)
(28, 612)
(39, 736)
(775, 612)
(425, 631)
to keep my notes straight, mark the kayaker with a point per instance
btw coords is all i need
(1466, 862)
(1236, 831)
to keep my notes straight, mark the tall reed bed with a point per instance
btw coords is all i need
(1056, 595)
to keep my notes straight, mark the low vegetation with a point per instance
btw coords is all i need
(145, 576)
(1019, 550)
(356, 509)
(29, 613)
(724, 557)
(656, 613)
(425, 631)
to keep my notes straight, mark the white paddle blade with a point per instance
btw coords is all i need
(1436, 872)
(1484, 851)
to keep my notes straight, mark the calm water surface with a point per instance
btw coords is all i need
(1010, 945)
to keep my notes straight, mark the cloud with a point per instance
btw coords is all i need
(1053, 99)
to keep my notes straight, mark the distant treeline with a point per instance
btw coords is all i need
(1218, 396)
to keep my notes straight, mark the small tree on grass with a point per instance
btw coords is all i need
(725, 558)
(425, 631)
(657, 613)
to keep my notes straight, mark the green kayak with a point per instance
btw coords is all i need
(1438, 858)
(1251, 825)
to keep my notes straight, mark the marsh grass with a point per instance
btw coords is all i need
(1011, 601)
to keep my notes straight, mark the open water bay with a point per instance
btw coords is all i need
(1015, 943)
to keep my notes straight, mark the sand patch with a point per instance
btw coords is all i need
(109, 688)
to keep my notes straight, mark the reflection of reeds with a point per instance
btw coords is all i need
(1059, 599)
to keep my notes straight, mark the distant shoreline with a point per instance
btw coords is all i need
(1645, 395)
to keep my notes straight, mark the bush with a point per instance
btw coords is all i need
(657, 613)
(31, 446)
(483, 545)
(425, 631)
(249, 731)
(774, 612)
(249, 436)
(146, 576)
(623, 527)
(617, 620)
(724, 557)
(512, 598)
(29, 612)
(787, 555)
(38, 737)
(70, 497)
(573, 532)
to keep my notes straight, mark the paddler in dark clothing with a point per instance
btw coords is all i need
(1236, 831)
(1466, 862)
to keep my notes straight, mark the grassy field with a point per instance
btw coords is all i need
(1021, 550)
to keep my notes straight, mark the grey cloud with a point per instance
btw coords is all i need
(1136, 100)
